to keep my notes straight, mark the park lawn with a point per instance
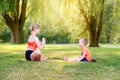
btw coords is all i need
(13, 65)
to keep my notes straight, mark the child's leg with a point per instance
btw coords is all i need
(71, 60)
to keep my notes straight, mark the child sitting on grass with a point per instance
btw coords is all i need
(86, 56)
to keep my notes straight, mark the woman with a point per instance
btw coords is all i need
(34, 43)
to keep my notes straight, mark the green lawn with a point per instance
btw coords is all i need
(13, 65)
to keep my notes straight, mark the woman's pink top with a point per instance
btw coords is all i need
(32, 46)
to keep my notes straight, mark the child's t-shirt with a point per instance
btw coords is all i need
(87, 53)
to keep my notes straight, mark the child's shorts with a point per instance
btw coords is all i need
(27, 54)
(84, 60)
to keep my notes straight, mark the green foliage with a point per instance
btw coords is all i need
(56, 15)
(5, 35)
(62, 21)
(111, 21)
(4, 32)
(7, 6)
(62, 37)
(13, 65)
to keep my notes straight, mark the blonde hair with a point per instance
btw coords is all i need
(84, 41)
(34, 26)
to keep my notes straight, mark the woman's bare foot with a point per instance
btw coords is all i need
(44, 59)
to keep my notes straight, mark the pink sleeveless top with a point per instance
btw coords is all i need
(32, 46)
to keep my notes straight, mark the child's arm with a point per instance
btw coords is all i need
(40, 45)
(83, 56)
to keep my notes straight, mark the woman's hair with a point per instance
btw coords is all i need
(34, 26)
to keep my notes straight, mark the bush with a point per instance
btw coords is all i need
(62, 38)
(5, 36)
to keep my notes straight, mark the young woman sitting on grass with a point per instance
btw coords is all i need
(86, 56)
(34, 43)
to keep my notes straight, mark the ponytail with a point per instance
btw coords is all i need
(34, 26)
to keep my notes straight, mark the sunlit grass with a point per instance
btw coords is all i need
(13, 65)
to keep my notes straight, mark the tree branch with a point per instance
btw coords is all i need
(84, 15)
(23, 12)
(16, 13)
(101, 19)
(9, 20)
(17, 8)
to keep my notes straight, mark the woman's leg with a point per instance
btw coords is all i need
(35, 56)
(27, 54)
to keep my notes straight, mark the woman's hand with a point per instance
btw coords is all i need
(43, 41)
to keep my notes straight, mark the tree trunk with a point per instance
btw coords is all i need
(16, 30)
(93, 19)
(94, 40)
(16, 35)
(96, 26)
(16, 22)
(93, 32)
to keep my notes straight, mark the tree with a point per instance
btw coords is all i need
(108, 21)
(111, 21)
(14, 13)
(92, 12)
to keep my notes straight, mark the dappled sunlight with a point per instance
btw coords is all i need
(60, 46)
(14, 66)
(117, 53)
(110, 45)
(59, 66)
(63, 53)
(57, 27)
(13, 49)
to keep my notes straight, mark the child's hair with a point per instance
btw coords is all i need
(34, 26)
(84, 41)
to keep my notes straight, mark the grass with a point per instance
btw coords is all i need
(13, 65)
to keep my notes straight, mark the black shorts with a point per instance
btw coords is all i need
(27, 54)
(84, 60)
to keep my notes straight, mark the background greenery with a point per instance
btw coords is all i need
(62, 22)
